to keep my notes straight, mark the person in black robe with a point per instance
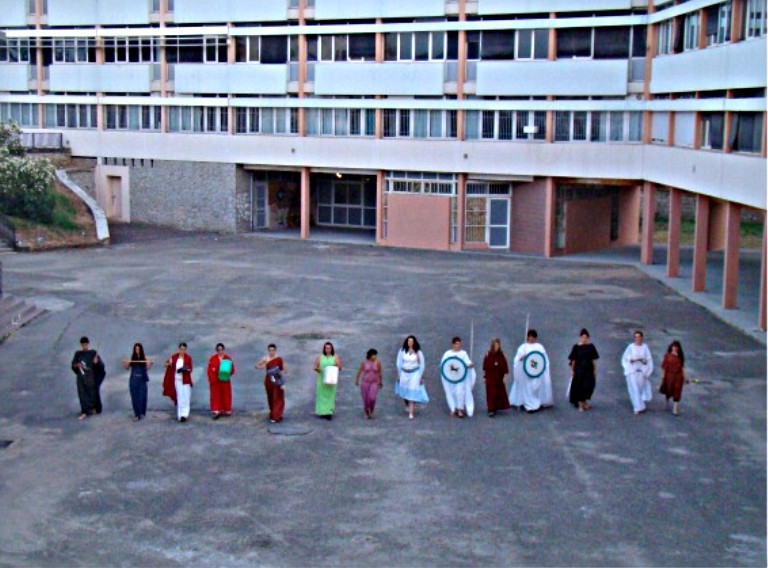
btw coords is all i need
(90, 372)
(583, 364)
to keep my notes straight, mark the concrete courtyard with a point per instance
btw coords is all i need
(557, 488)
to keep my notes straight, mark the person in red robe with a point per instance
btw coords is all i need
(496, 369)
(219, 383)
(177, 382)
(673, 375)
(274, 383)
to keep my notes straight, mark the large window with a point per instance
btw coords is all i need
(746, 132)
(754, 18)
(131, 50)
(420, 46)
(711, 132)
(262, 49)
(266, 120)
(574, 43)
(23, 114)
(719, 23)
(184, 49)
(505, 125)
(598, 126)
(497, 44)
(131, 117)
(532, 44)
(666, 40)
(197, 119)
(612, 42)
(70, 116)
(346, 203)
(421, 182)
(404, 123)
(340, 122)
(15, 50)
(691, 31)
(74, 50)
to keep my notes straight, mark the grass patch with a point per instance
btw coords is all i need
(751, 235)
(64, 217)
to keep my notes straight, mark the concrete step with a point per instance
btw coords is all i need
(6, 250)
(16, 314)
(10, 305)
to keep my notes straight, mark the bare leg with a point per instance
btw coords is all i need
(410, 409)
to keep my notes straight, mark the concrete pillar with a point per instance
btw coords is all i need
(461, 204)
(731, 260)
(673, 233)
(763, 315)
(701, 244)
(549, 218)
(379, 207)
(649, 213)
(305, 203)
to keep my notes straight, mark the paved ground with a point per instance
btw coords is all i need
(556, 488)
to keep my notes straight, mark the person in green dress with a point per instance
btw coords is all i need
(325, 402)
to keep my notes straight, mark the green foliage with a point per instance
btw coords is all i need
(26, 184)
(64, 214)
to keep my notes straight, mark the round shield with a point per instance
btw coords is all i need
(453, 369)
(534, 364)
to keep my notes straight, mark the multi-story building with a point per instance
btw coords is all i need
(542, 127)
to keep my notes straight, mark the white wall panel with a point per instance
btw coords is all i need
(537, 6)
(108, 78)
(685, 129)
(734, 66)
(379, 79)
(14, 77)
(92, 12)
(351, 10)
(13, 13)
(189, 11)
(734, 177)
(561, 77)
(236, 79)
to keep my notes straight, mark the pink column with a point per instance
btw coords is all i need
(673, 235)
(379, 207)
(549, 217)
(649, 213)
(701, 244)
(731, 261)
(305, 204)
(763, 314)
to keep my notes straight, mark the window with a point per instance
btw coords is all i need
(691, 31)
(505, 125)
(665, 41)
(754, 18)
(612, 42)
(598, 126)
(639, 34)
(532, 44)
(421, 182)
(574, 42)
(23, 114)
(215, 49)
(197, 119)
(746, 132)
(718, 23)
(268, 49)
(362, 47)
(184, 49)
(131, 50)
(340, 122)
(14, 50)
(74, 50)
(419, 46)
(350, 203)
(711, 133)
(497, 44)
(131, 117)
(473, 46)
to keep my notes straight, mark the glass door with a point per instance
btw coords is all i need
(498, 223)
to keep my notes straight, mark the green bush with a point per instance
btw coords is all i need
(26, 184)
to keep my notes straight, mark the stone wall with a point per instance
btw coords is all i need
(185, 195)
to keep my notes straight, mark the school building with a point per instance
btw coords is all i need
(545, 127)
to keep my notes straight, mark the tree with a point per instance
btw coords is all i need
(26, 184)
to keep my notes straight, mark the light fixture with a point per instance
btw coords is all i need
(338, 175)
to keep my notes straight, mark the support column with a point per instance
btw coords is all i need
(701, 244)
(379, 207)
(673, 233)
(549, 218)
(763, 314)
(461, 204)
(649, 213)
(731, 260)
(305, 204)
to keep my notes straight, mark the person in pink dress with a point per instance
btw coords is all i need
(369, 378)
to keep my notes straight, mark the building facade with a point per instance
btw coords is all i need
(542, 127)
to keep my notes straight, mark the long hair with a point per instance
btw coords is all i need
(496, 341)
(416, 346)
(140, 356)
(333, 351)
(680, 353)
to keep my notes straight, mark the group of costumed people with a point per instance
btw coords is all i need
(531, 389)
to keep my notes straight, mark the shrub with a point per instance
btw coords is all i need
(26, 184)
